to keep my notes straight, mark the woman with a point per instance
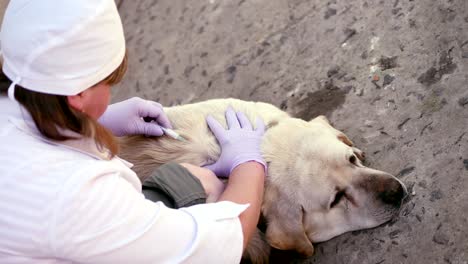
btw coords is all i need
(65, 195)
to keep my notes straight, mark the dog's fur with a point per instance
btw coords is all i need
(317, 187)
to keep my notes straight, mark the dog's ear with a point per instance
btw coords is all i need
(340, 135)
(343, 138)
(285, 228)
(320, 118)
(359, 153)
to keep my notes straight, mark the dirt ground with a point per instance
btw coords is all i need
(390, 74)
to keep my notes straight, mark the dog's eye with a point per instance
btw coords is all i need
(338, 196)
(352, 159)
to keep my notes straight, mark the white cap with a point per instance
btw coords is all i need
(61, 47)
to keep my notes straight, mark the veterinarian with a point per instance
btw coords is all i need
(65, 195)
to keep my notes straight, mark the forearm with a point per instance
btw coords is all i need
(245, 185)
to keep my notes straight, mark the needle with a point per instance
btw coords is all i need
(171, 133)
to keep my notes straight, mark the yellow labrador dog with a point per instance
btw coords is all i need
(317, 187)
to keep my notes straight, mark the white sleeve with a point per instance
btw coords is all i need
(106, 220)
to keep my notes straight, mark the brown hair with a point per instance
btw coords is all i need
(52, 114)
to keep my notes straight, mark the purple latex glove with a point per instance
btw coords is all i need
(239, 144)
(126, 118)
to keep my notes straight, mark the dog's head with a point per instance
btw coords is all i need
(318, 187)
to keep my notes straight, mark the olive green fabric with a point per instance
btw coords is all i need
(175, 186)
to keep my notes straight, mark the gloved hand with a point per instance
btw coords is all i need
(239, 144)
(126, 118)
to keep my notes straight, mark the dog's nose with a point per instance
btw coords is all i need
(393, 192)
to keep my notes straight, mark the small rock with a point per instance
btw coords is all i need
(395, 11)
(188, 70)
(368, 123)
(348, 88)
(435, 195)
(231, 69)
(349, 33)
(406, 171)
(422, 184)
(370, 137)
(403, 123)
(348, 78)
(333, 71)
(231, 73)
(328, 84)
(465, 162)
(330, 12)
(408, 209)
(359, 91)
(463, 101)
(388, 79)
(429, 77)
(440, 238)
(419, 218)
(446, 65)
(364, 55)
(388, 62)
(394, 234)
(447, 14)
(201, 30)
(435, 74)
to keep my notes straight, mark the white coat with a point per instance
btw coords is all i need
(62, 202)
